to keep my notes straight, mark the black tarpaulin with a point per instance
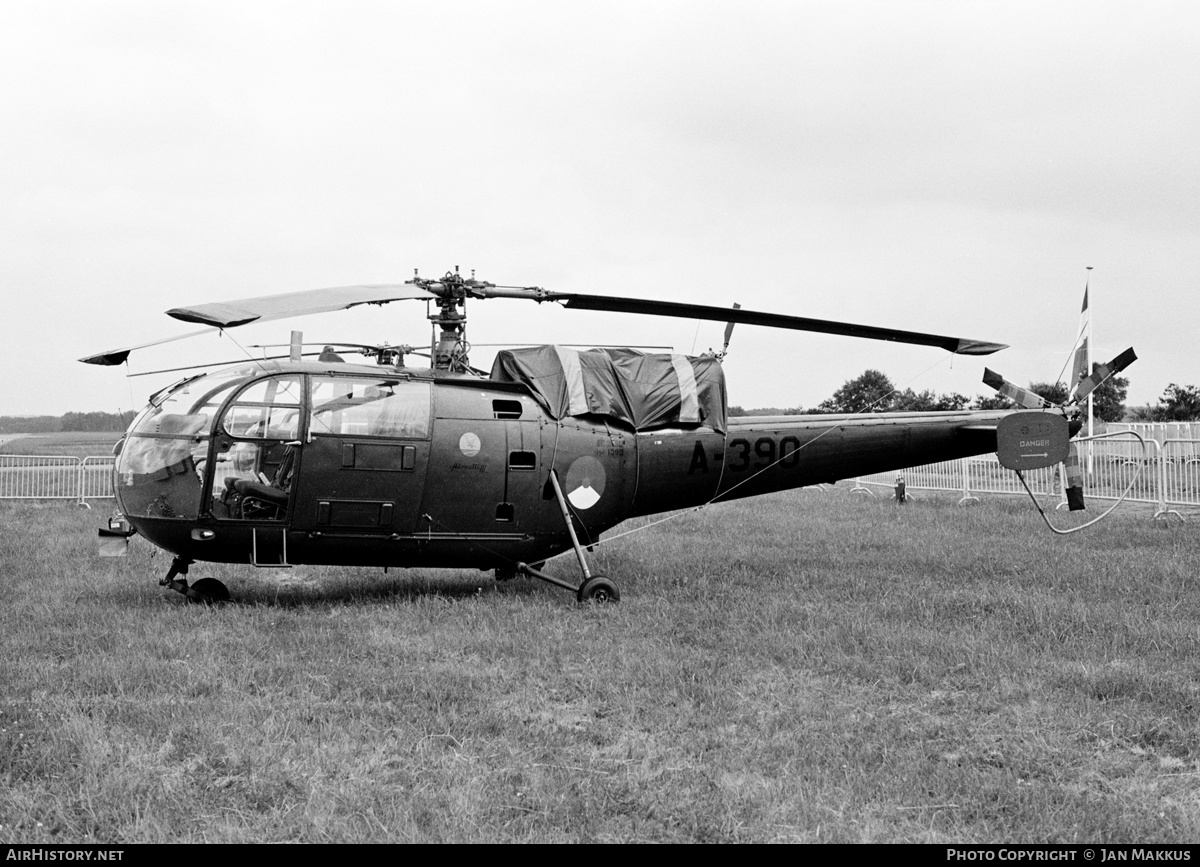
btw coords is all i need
(644, 390)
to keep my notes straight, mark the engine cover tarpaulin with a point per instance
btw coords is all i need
(644, 390)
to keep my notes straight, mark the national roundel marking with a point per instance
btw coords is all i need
(585, 482)
(469, 444)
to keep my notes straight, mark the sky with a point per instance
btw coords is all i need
(947, 167)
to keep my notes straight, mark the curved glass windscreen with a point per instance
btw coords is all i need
(160, 470)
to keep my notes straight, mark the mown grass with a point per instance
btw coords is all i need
(76, 444)
(803, 667)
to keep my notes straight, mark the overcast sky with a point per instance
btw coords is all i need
(933, 166)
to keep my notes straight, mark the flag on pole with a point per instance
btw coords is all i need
(1082, 367)
(1082, 370)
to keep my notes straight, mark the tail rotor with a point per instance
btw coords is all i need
(1012, 434)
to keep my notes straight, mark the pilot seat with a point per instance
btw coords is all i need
(250, 499)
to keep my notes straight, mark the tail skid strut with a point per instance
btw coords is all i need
(595, 587)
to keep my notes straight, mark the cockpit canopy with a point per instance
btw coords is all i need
(200, 435)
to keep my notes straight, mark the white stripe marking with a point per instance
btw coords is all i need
(573, 380)
(689, 406)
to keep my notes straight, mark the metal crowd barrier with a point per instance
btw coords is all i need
(96, 478)
(1169, 474)
(55, 477)
(968, 476)
(1181, 471)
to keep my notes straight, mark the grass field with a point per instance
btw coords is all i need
(805, 667)
(78, 444)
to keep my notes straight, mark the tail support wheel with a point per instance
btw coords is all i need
(598, 589)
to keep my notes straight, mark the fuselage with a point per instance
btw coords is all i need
(307, 462)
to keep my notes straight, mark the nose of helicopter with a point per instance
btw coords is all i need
(159, 471)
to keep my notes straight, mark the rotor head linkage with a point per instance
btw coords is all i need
(449, 350)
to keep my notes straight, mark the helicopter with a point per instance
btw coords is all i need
(287, 461)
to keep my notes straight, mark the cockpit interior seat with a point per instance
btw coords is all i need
(254, 499)
(250, 488)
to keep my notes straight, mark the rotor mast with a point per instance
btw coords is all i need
(449, 350)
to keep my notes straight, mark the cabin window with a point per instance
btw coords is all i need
(268, 409)
(522, 460)
(272, 390)
(369, 406)
(506, 408)
(262, 422)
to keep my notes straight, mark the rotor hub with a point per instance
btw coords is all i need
(449, 348)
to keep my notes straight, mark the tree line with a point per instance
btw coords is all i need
(874, 392)
(71, 421)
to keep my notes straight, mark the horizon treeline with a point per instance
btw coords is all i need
(72, 421)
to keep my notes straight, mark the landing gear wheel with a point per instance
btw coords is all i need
(598, 589)
(209, 590)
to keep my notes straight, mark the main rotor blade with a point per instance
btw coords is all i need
(264, 308)
(245, 361)
(582, 345)
(960, 345)
(118, 356)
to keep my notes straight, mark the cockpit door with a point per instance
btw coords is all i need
(253, 453)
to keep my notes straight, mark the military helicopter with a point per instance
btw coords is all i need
(287, 461)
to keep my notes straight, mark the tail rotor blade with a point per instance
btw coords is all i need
(1102, 372)
(1022, 396)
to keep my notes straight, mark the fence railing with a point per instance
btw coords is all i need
(1181, 471)
(1162, 474)
(55, 477)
